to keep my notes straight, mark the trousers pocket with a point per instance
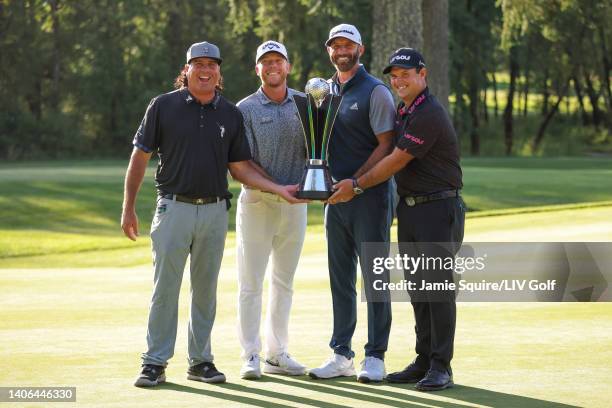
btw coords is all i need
(163, 208)
(250, 197)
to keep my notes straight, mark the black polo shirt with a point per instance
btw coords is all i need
(194, 143)
(424, 130)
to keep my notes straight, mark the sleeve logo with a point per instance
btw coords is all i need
(414, 139)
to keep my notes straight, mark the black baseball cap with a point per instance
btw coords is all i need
(405, 58)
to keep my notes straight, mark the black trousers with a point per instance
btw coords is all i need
(442, 222)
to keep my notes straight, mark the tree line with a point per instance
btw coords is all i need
(76, 76)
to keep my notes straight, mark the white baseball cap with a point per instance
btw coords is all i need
(346, 31)
(271, 46)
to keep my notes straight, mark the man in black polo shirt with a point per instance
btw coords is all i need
(198, 136)
(425, 162)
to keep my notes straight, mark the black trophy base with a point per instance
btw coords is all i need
(313, 195)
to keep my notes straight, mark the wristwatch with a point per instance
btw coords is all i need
(356, 189)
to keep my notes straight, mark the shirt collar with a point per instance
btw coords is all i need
(263, 98)
(189, 98)
(354, 79)
(408, 110)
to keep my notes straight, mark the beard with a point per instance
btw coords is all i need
(345, 65)
(276, 82)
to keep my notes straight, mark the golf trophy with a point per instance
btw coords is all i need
(317, 111)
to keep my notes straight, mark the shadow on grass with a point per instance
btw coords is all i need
(400, 395)
(379, 393)
(341, 388)
(230, 395)
(497, 399)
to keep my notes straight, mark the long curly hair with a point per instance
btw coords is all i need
(181, 81)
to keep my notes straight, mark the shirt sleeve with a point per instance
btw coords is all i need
(147, 136)
(239, 149)
(418, 136)
(382, 110)
(248, 128)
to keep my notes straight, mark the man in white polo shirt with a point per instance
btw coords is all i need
(269, 229)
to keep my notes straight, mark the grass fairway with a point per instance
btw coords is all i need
(85, 327)
(67, 213)
(75, 297)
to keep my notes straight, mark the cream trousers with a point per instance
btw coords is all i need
(267, 228)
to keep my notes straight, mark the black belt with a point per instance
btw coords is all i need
(412, 201)
(196, 201)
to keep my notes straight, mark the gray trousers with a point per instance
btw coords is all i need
(178, 230)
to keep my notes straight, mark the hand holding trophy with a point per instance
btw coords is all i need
(317, 112)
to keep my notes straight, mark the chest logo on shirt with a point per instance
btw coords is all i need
(221, 130)
(414, 138)
(354, 106)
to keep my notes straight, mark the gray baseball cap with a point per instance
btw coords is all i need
(204, 49)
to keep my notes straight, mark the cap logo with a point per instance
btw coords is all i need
(206, 50)
(269, 46)
(342, 31)
(399, 57)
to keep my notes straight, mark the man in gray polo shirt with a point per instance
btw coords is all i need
(268, 228)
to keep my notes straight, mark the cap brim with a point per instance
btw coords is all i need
(329, 40)
(390, 67)
(339, 36)
(267, 52)
(219, 60)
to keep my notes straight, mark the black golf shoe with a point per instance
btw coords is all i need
(435, 380)
(409, 375)
(205, 372)
(151, 375)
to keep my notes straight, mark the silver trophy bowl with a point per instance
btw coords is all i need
(318, 88)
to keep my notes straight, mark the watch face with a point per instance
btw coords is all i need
(356, 188)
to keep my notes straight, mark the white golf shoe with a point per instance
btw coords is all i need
(372, 369)
(250, 369)
(283, 364)
(337, 366)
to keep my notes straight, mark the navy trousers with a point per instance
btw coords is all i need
(366, 218)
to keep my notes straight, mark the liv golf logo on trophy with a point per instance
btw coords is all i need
(317, 112)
